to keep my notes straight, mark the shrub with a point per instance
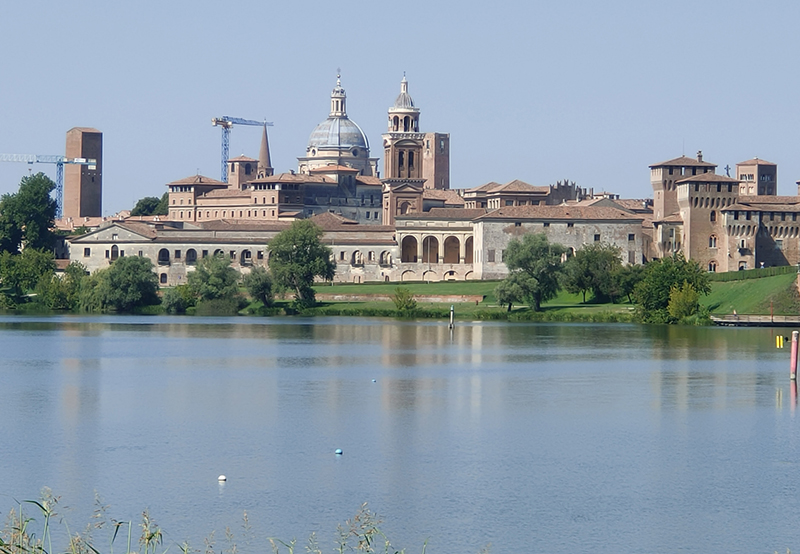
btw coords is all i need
(404, 300)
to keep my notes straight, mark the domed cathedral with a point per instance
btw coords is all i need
(413, 161)
(338, 141)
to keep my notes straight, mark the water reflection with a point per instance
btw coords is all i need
(594, 438)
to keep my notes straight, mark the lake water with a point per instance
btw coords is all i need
(534, 438)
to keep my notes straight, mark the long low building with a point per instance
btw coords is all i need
(438, 245)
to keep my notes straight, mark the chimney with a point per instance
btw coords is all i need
(699, 155)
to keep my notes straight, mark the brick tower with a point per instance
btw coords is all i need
(83, 187)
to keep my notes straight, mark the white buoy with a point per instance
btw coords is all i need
(338, 452)
(222, 478)
(374, 380)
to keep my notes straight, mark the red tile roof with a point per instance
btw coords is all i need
(683, 161)
(197, 180)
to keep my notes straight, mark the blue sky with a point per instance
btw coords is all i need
(540, 91)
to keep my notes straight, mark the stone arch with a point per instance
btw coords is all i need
(386, 258)
(408, 275)
(430, 250)
(450, 276)
(163, 256)
(430, 275)
(409, 249)
(468, 250)
(357, 258)
(405, 207)
(191, 256)
(218, 252)
(114, 252)
(246, 257)
(468, 275)
(452, 247)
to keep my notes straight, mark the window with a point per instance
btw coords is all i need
(375, 214)
(713, 216)
(631, 237)
(367, 215)
(205, 253)
(114, 236)
(779, 244)
(597, 237)
(177, 254)
(108, 254)
(259, 255)
(517, 224)
(140, 253)
(546, 224)
(87, 252)
(712, 266)
(233, 254)
(490, 255)
(736, 214)
(341, 256)
(570, 225)
(162, 278)
(509, 202)
(712, 241)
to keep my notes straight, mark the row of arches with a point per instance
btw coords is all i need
(409, 250)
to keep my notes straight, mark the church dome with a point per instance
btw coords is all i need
(338, 132)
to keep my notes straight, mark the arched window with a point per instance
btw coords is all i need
(468, 251)
(191, 256)
(430, 250)
(409, 249)
(712, 266)
(713, 216)
(712, 241)
(163, 256)
(162, 278)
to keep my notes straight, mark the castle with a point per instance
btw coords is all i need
(409, 225)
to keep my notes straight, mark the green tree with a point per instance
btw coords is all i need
(592, 269)
(652, 293)
(163, 205)
(297, 257)
(27, 217)
(626, 278)
(61, 292)
(214, 278)
(129, 283)
(684, 301)
(539, 264)
(20, 273)
(404, 300)
(512, 290)
(146, 206)
(259, 285)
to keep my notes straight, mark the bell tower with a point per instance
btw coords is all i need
(403, 182)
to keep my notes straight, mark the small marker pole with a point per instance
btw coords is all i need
(451, 316)
(793, 370)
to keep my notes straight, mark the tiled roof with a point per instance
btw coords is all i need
(369, 180)
(293, 178)
(671, 218)
(767, 199)
(197, 180)
(684, 161)
(520, 186)
(484, 188)
(449, 196)
(563, 212)
(327, 219)
(756, 161)
(333, 168)
(707, 178)
(226, 193)
(242, 158)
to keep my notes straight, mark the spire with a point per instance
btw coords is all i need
(264, 162)
(338, 98)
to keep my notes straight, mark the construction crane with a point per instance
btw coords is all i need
(60, 161)
(227, 123)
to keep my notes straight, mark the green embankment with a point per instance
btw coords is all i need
(754, 296)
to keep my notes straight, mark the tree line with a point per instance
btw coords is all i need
(665, 290)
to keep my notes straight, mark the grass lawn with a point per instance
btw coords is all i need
(754, 296)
